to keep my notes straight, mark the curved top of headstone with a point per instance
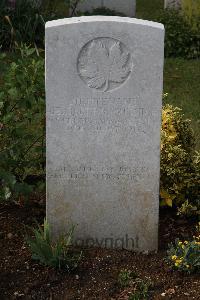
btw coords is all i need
(87, 19)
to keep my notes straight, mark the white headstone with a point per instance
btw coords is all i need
(126, 7)
(103, 92)
(176, 4)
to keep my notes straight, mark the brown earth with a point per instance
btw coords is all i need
(97, 274)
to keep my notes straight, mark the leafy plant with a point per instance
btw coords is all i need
(55, 254)
(22, 23)
(139, 287)
(54, 9)
(180, 166)
(22, 124)
(181, 38)
(185, 255)
(190, 209)
(142, 288)
(125, 277)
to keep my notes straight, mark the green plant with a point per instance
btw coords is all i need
(141, 289)
(125, 277)
(185, 255)
(189, 209)
(22, 124)
(55, 254)
(180, 166)
(25, 22)
(55, 9)
(181, 38)
(21, 24)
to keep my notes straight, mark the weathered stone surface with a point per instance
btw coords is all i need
(176, 4)
(104, 89)
(127, 7)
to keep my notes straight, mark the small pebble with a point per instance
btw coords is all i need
(171, 291)
(163, 294)
(18, 294)
(10, 235)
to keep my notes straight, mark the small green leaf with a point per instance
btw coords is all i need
(13, 92)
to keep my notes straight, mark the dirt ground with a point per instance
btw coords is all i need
(97, 274)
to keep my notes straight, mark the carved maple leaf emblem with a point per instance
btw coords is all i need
(104, 65)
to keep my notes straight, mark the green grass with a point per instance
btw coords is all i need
(182, 83)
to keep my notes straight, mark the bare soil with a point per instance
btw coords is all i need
(97, 274)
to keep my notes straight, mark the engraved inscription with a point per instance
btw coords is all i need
(105, 173)
(103, 114)
(104, 64)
